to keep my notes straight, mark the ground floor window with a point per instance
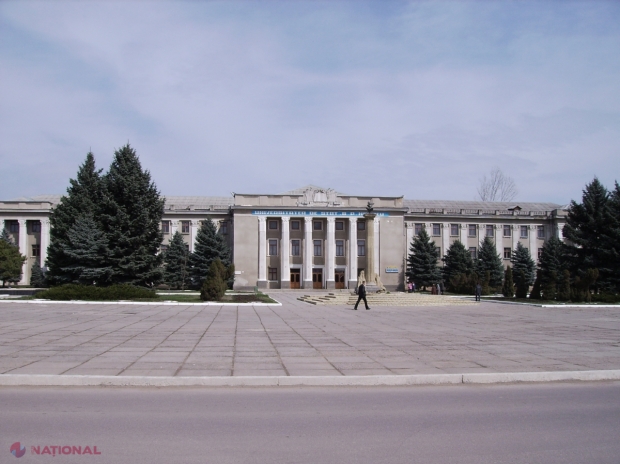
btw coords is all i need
(473, 252)
(507, 253)
(36, 250)
(273, 273)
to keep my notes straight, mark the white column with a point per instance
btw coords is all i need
(262, 252)
(464, 232)
(174, 226)
(376, 266)
(409, 233)
(285, 245)
(193, 231)
(499, 242)
(23, 249)
(352, 252)
(330, 252)
(516, 232)
(533, 232)
(445, 239)
(560, 228)
(45, 240)
(308, 246)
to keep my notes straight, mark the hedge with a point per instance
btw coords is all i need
(90, 292)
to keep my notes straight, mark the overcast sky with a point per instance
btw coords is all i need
(380, 98)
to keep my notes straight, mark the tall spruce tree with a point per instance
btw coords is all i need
(87, 253)
(612, 238)
(176, 262)
(83, 197)
(489, 261)
(11, 262)
(587, 230)
(457, 261)
(522, 261)
(551, 259)
(131, 215)
(209, 246)
(37, 278)
(422, 261)
(509, 287)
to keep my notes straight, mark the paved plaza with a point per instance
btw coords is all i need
(300, 339)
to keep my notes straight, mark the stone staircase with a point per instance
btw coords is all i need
(386, 299)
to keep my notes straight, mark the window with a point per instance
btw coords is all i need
(273, 273)
(489, 231)
(36, 250)
(361, 248)
(318, 248)
(295, 247)
(418, 228)
(185, 227)
(361, 225)
(294, 225)
(523, 231)
(540, 251)
(13, 226)
(163, 248)
(224, 227)
(472, 230)
(273, 224)
(454, 229)
(317, 225)
(339, 247)
(507, 252)
(541, 231)
(473, 252)
(437, 229)
(339, 225)
(35, 227)
(165, 227)
(507, 231)
(273, 247)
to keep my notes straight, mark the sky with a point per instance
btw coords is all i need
(419, 99)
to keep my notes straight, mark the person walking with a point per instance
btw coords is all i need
(478, 291)
(361, 295)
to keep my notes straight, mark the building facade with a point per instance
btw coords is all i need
(319, 238)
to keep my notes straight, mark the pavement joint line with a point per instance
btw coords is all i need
(7, 380)
(153, 303)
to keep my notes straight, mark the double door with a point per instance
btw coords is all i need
(295, 278)
(317, 278)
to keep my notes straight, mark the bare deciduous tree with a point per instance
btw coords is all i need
(497, 187)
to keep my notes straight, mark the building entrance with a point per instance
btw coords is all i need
(317, 278)
(295, 278)
(339, 278)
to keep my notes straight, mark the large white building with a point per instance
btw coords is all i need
(319, 238)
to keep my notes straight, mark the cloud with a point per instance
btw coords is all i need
(418, 98)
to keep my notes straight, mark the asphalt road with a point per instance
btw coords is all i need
(549, 423)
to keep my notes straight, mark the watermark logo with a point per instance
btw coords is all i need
(18, 450)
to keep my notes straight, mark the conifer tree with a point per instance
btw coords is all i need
(5, 236)
(535, 293)
(587, 230)
(549, 288)
(37, 278)
(551, 258)
(214, 285)
(11, 262)
(509, 288)
(422, 261)
(87, 253)
(131, 215)
(489, 261)
(457, 260)
(209, 246)
(176, 263)
(522, 261)
(83, 197)
(564, 286)
(522, 285)
(612, 238)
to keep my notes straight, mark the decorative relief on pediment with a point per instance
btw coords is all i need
(319, 197)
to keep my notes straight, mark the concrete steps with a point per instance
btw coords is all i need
(385, 299)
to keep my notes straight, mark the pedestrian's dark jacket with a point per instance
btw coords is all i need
(361, 291)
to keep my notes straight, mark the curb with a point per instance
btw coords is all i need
(322, 381)
(143, 303)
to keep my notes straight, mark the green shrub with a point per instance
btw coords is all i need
(91, 293)
(606, 298)
(214, 286)
(535, 293)
(509, 287)
(522, 285)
